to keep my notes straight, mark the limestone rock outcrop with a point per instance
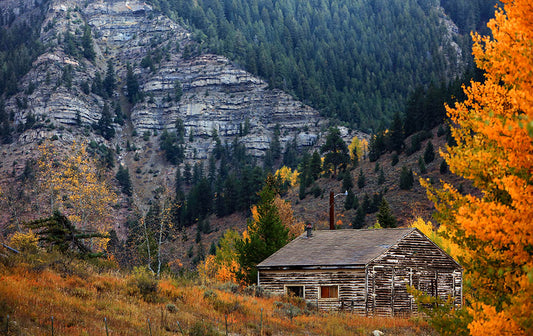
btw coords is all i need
(216, 94)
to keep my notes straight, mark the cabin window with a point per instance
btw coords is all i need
(329, 292)
(297, 291)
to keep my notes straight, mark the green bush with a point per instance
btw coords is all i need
(203, 328)
(144, 283)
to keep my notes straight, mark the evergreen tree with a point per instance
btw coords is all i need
(347, 181)
(105, 124)
(134, 93)
(376, 147)
(429, 153)
(395, 135)
(406, 178)
(275, 146)
(336, 151)
(350, 199)
(394, 159)
(443, 167)
(87, 44)
(109, 83)
(187, 173)
(422, 165)
(178, 186)
(384, 216)
(367, 204)
(358, 221)
(381, 177)
(361, 180)
(119, 117)
(178, 90)
(180, 130)
(123, 177)
(315, 166)
(265, 236)
(97, 86)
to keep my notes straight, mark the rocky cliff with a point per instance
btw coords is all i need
(61, 98)
(217, 95)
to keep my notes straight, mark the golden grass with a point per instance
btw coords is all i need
(80, 302)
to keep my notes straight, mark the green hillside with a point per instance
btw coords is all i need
(356, 61)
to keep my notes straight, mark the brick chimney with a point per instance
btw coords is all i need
(309, 230)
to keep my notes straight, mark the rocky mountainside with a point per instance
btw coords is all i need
(59, 97)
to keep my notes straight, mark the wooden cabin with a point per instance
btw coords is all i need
(365, 271)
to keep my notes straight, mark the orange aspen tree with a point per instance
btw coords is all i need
(495, 152)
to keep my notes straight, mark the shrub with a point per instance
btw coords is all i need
(144, 283)
(395, 159)
(255, 290)
(203, 328)
(25, 242)
(316, 191)
(172, 308)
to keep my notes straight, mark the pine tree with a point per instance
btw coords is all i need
(443, 167)
(384, 216)
(429, 153)
(361, 180)
(266, 235)
(396, 135)
(110, 82)
(123, 177)
(87, 44)
(381, 177)
(134, 94)
(394, 159)
(336, 151)
(347, 181)
(406, 178)
(105, 124)
(359, 220)
(422, 165)
(350, 199)
(315, 166)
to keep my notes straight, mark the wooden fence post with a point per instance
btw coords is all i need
(261, 328)
(226, 318)
(179, 326)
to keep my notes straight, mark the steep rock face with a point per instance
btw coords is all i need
(217, 95)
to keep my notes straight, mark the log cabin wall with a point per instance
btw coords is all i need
(350, 282)
(413, 261)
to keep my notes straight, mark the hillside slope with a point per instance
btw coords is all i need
(43, 294)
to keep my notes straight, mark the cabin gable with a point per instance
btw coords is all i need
(415, 261)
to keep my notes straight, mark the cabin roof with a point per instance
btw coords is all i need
(336, 248)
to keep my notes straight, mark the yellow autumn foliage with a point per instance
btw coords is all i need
(287, 174)
(74, 185)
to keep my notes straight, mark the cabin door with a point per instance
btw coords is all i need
(382, 290)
